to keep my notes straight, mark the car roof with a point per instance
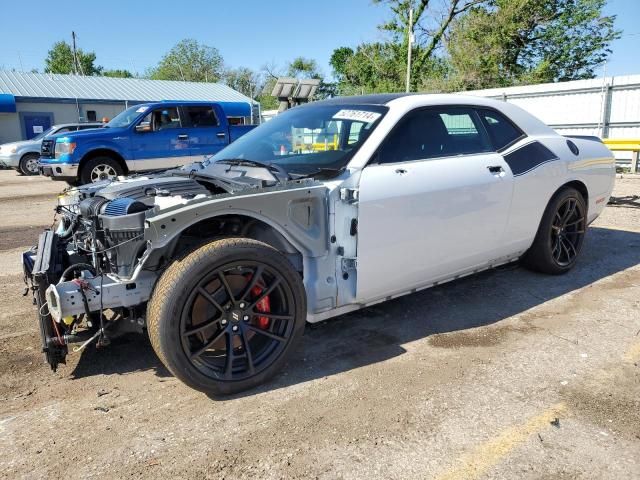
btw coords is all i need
(172, 103)
(373, 99)
(404, 102)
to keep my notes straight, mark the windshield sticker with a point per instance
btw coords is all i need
(358, 115)
(142, 109)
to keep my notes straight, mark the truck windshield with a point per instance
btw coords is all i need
(308, 139)
(127, 117)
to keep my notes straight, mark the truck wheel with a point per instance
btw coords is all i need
(225, 317)
(29, 164)
(100, 168)
(560, 234)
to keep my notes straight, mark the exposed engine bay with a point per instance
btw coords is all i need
(91, 277)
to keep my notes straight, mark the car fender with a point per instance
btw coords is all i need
(83, 151)
(300, 215)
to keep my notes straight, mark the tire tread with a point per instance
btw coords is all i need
(165, 288)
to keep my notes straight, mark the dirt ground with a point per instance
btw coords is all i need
(504, 375)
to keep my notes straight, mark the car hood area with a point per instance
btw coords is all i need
(7, 147)
(179, 187)
(92, 133)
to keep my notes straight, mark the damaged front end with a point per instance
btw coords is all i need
(87, 276)
(93, 275)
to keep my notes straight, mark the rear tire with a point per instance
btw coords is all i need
(100, 168)
(560, 235)
(208, 321)
(29, 164)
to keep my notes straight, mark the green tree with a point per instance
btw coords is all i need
(189, 61)
(339, 61)
(381, 66)
(244, 80)
(371, 68)
(530, 41)
(117, 73)
(60, 60)
(301, 67)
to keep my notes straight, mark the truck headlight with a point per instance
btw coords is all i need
(64, 148)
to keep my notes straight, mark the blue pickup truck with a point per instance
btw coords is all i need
(145, 137)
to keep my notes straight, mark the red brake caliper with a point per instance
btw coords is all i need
(263, 305)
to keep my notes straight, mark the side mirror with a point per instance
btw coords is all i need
(143, 127)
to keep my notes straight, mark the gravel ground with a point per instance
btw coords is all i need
(507, 374)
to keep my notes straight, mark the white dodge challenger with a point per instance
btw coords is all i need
(325, 209)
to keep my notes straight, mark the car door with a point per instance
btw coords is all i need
(434, 203)
(163, 143)
(206, 134)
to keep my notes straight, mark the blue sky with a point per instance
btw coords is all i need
(135, 34)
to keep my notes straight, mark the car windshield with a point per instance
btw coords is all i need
(307, 139)
(126, 117)
(40, 136)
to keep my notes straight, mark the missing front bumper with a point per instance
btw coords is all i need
(42, 266)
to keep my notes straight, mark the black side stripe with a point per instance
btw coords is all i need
(529, 157)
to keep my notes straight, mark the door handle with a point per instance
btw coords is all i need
(220, 135)
(495, 168)
(183, 137)
(400, 171)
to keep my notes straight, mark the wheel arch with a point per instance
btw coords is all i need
(103, 152)
(22, 157)
(244, 225)
(579, 186)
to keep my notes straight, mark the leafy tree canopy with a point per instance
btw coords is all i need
(244, 80)
(60, 60)
(530, 41)
(189, 61)
(117, 73)
(462, 44)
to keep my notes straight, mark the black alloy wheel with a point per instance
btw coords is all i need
(225, 317)
(567, 231)
(237, 320)
(560, 235)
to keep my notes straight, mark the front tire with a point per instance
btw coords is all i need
(225, 317)
(29, 164)
(100, 168)
(560, 235)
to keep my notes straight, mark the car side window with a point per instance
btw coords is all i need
(64, 130)
(501, 130)
(201, 116)
(163, 119)
(435, 132)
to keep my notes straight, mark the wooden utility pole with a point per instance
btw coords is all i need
(77, 67)
(410, 44)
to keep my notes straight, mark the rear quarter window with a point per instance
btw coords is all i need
(502, 131)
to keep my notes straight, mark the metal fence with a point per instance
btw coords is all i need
(607, 107)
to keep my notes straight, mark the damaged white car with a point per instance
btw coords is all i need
(327, 208)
